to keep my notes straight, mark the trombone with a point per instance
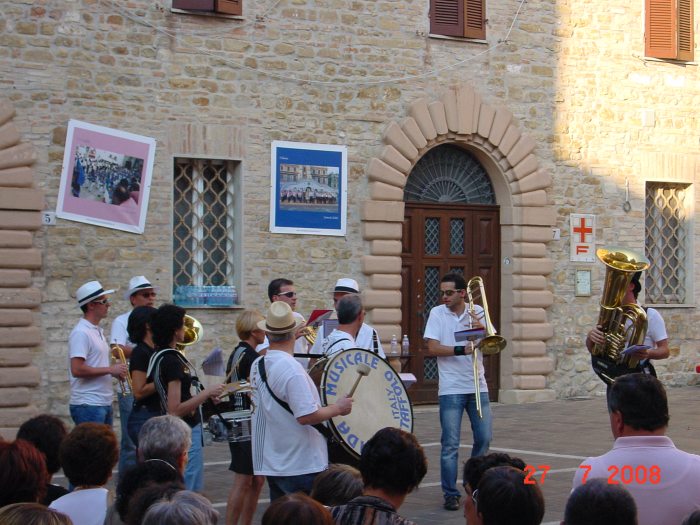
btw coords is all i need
(492, 343)
(120, 358)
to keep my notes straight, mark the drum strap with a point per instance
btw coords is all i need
(375, 341)
(323, 430)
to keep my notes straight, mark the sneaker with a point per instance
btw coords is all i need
(451, 503)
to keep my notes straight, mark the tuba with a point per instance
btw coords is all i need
(492, 343)
(193, 333)
(623, 324)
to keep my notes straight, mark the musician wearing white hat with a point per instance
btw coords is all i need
(367, 337)
(286, 446)
(89, 367)
(140, 293)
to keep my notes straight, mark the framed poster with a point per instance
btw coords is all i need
(308, 193)
(106, 177)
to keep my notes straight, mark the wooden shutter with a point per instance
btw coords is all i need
(475, 17)
(229, 7)
(194, 5)
(660, 36)
(685, 30)
(447, 17)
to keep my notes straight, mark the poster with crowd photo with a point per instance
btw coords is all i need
(106, 177)
(308, 188)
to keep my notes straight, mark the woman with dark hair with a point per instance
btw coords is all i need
(146, 401)
(175, 378)
(23, 474)
(32, 514)
(296, 508)
(88, 455)
(46, 433)
(337, 485)
(150, 472)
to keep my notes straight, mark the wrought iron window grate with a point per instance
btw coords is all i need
(449, 174)
(203, 223)
(666, 245)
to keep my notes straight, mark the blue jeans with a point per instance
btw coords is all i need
(452, 407)
(281, 485)
(127, 449)
(194, 471)
(138, 416)
(91, 414)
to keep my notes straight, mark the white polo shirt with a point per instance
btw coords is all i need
(455, 372)
(282, 446)
(119, 335)
(88, 341)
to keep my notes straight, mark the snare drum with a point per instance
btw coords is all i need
(379, 401)
(234, 430)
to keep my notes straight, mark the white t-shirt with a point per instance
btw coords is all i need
(88, 341)
(338, 341)
(83, 507)
(455, 372)
(656, 328)
(119, 334)
(281, 446)
(365, 339)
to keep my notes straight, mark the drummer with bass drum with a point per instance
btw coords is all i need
(286, 446)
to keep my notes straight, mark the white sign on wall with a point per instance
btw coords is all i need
(582, 234)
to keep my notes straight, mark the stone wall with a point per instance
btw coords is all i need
(571, 73)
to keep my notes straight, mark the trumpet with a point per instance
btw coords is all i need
(492, 343)
(120, 358)
(310, 334)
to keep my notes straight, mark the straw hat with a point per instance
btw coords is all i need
(280, 319)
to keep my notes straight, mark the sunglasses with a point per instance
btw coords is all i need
(104, 302)
(146, 295)
(288, 294)
(449, 293)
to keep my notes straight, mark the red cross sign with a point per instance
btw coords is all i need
(582, 237)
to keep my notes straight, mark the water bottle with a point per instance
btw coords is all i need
(394, 346)
(405, 346)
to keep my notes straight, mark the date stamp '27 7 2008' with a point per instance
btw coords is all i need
(625, 474)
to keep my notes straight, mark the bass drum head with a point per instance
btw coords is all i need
(380, 399)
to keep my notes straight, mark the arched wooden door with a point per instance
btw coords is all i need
(445, 231)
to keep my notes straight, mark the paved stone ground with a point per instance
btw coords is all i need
(558, 434)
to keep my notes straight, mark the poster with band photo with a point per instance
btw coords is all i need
(105, 177)
(308, 188)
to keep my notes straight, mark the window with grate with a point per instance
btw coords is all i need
(666, 242)
(205, 209)
(460, 18)
(668, 29)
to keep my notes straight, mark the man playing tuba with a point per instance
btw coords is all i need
(656, 339)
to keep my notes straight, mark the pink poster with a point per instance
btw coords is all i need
(106, 177)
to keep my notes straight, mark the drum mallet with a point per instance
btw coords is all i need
(362, 371)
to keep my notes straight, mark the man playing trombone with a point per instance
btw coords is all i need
(457, 390)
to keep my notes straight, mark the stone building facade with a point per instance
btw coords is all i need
(558, 103)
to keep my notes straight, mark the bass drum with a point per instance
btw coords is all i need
(380, 399)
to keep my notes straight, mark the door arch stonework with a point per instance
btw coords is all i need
(491, 134)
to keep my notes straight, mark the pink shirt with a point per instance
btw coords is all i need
(664, 481)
